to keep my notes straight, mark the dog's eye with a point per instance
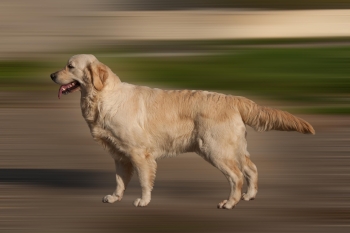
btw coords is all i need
(70, 66)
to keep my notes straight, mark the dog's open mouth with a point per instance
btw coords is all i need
(68, 88)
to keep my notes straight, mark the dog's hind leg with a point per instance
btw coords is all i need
(124, 171)
(145, 167)
(229, 168)
(251, 174)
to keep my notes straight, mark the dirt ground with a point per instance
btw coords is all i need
(53, 177)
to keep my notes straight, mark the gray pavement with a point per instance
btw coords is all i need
(53, 177)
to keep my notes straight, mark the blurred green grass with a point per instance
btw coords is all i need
(316, 77)
(296, 74)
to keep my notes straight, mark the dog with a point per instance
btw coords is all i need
(139, 125)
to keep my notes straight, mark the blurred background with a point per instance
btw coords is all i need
(293, 56)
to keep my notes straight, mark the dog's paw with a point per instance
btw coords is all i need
(140, 202)
(226, 205)
(247, 197)
(110, 199)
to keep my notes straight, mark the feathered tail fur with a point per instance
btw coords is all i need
(264, 118)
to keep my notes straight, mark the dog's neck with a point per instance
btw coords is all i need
(89, 101)
(88, 104)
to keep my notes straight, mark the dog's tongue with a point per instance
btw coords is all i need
(62, 88)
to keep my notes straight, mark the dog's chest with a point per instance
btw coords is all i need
(110, 140)
(116, 133)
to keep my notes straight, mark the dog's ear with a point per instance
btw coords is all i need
(99, 74)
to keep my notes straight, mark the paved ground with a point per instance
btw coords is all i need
(53, 177)
(34, 27)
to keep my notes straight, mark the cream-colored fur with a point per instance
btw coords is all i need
(139, 125)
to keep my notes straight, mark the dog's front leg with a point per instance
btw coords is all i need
(124, 170)
(145, 167)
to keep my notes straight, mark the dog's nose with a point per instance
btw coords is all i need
(53, 76)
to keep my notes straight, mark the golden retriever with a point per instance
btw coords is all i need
(139, 125)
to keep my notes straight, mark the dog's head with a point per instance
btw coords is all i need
(82, 71)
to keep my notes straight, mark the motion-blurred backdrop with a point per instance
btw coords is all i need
(294, 56)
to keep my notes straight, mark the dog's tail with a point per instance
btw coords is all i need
(264, 118)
